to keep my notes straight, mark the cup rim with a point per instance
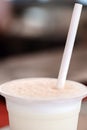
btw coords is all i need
(40, 100)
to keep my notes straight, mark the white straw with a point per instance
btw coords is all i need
(69, 46)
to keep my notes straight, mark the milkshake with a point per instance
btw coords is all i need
(37, 104)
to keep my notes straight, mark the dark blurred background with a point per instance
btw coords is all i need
(32, 25)
(32, 38)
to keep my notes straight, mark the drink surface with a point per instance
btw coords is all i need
(43, 88)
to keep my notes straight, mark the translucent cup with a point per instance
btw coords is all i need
(46, 114)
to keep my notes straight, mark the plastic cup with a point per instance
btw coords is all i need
(46, 114)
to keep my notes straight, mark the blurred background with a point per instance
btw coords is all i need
(32, 38)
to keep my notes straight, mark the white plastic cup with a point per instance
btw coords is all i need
(38, 114)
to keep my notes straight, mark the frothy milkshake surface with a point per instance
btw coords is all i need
(42, 88)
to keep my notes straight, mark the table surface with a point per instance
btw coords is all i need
(44, 64)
